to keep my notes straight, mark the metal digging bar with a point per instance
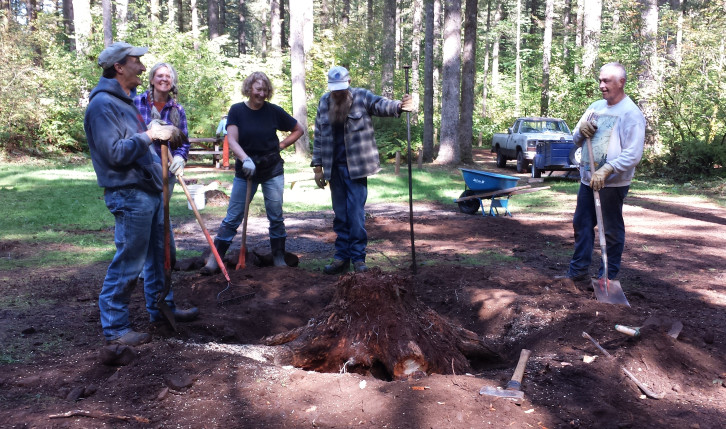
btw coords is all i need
(410, 180)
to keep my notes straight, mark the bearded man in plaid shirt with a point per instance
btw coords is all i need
(345, 154)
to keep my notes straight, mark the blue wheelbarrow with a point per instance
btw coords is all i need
(483, 185)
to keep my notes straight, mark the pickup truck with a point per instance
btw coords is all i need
(546, 143)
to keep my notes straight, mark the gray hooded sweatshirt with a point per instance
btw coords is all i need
(117, 140)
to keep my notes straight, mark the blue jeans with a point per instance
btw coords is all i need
(272, 190)
(584, 222)
(139, 239)
(349, 199)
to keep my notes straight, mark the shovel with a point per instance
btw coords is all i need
(163, 306)
(606, 290)
(241, 263)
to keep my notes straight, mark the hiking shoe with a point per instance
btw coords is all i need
(186, 315)
(360, 266)
(131, 338)
(338, 266)
(581, 282)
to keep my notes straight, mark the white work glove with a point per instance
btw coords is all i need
(407, 103)
(597, 181)
(588, 129)
(319, 176)
(248, 167)
(177, 165)
(167, 133)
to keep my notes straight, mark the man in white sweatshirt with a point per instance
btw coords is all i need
(616, 127)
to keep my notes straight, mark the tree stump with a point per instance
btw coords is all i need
(376, 326)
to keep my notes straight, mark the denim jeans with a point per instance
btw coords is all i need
(139, 239)
(584, 222)
(170, 297)
(272, 190)
(349, 199)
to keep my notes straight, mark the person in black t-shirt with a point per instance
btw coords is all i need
(252, 134)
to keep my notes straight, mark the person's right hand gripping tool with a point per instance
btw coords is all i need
(162, 132)
(588, 129)
(319, 176)
(248, 167)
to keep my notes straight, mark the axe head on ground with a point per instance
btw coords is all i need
(512, 391)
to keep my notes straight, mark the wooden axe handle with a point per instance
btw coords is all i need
(516, 381)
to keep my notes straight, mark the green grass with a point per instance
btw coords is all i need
(60, 206)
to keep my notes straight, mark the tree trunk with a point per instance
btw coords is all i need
(468, 81)
(170, 13)
(578, 30)
(437, 56)
(388, 49)
(107, 22)
(155, 8)
(68, 23)
(32, 14)
(308, 25)
(416, 58)
(275, 27)
(648, 77)
(324, 14)
(298, 16)
(518, 61)
(451, 83)
(264, 27)
(485, 68)
(213, 18)
(195, 23)
(566, 23)
(428, 102)
(544, 104)
(495, 45)
(241, 29)
(180, 14)
(372, 44)
(592, 20)
(375, 326)
(82, 23)
(223, 18)
(283, 34)
(345, 14)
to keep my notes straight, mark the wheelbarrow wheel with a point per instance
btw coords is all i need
(469, 206)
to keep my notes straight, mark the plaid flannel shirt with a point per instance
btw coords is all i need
(360, 145)
(143, 103)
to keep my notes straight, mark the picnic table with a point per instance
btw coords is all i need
(205, 146)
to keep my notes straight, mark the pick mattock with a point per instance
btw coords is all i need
(606, 290)
(513, 390)
(410, 181)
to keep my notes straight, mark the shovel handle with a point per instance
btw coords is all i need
(241, 262)
(598, 214)
(516, 382)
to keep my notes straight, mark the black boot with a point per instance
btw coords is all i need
(278, 251)
(212, 267)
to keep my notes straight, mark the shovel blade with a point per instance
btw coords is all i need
(501, 393)
(168, 314)
(609, 291)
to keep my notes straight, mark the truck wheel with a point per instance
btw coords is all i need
(521, 162)
(501, 159)
(536, 172)
(575, 155)
(469, 206)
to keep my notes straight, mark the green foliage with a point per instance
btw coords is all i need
(687, 161)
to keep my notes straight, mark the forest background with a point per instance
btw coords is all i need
(475, 66)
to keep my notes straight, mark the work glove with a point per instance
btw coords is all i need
(248, 167)
(159, 130)
(319, 176)
(588, 129)
(407, 103)
(177, 165)
(597, 181)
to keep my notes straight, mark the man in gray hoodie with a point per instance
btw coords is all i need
(131, 176)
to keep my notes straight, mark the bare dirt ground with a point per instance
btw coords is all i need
(214, 372)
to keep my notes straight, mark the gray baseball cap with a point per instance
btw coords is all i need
(338, 78)
(117, 52)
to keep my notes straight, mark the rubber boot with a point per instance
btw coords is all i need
(212, 267)
(278, 251)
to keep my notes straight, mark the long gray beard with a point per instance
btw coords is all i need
(339, 107)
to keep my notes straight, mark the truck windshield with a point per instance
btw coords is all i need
(544, 127)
